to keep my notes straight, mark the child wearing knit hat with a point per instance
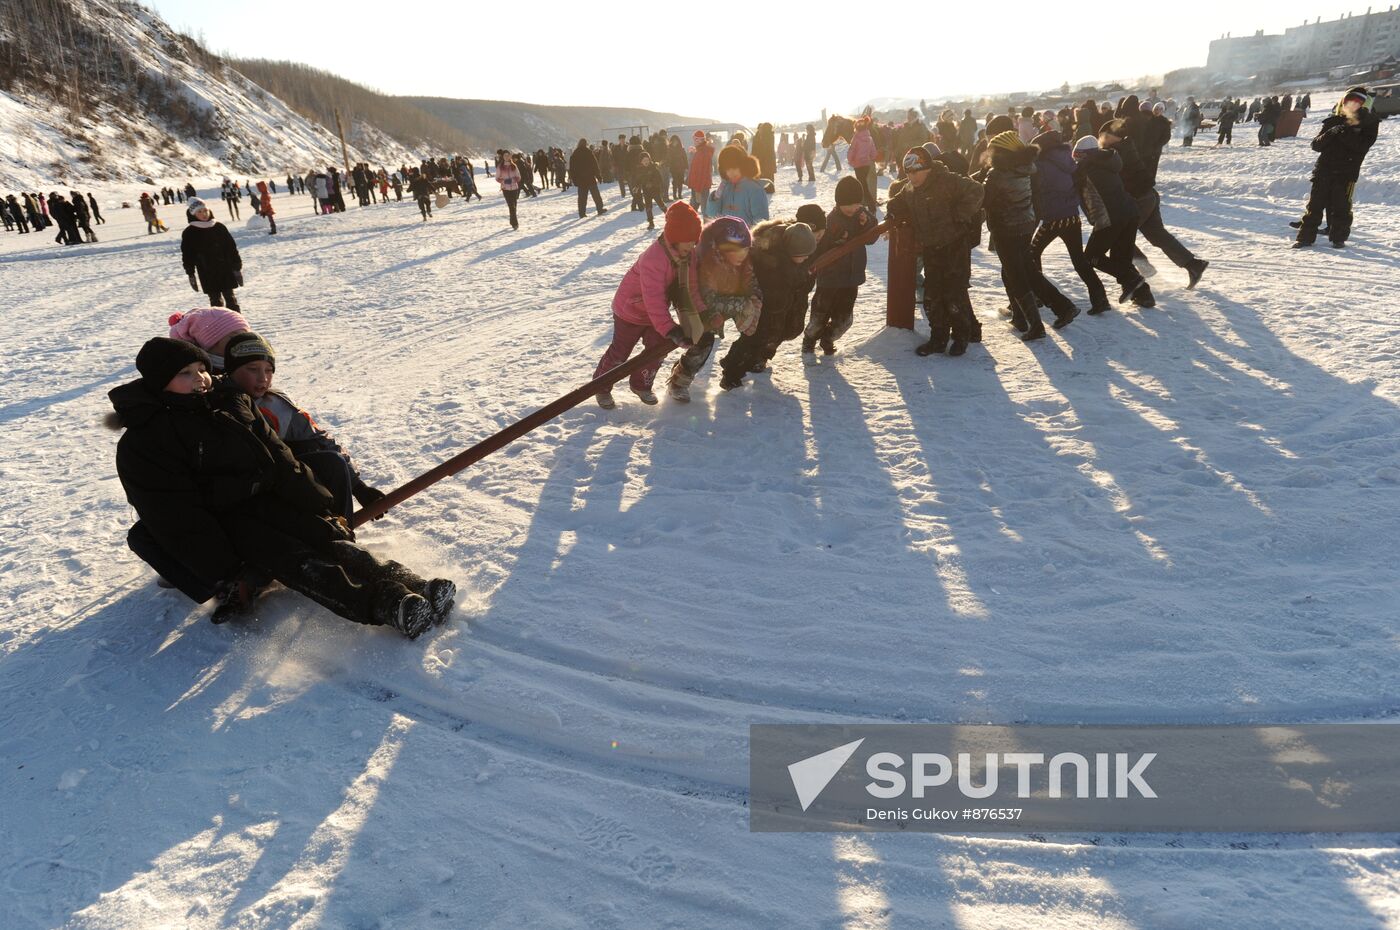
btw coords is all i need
(838, 285)
(780, 250)
(224, 506)
(210, 328)
(251, 364)
(664, 276)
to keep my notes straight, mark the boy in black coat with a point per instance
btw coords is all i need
(224, 505)
(1342, 143)
(207, 248)
(833, 303)
(780, 250)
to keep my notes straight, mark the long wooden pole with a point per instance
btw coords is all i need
(344, 155)
(513, 432)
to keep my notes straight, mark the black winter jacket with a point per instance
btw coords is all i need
(784, 284)
(849, 270)
(1106, 201)
(583, 167)
(1342, 147)
(211, 251)
(190, 461)
(1009, 201)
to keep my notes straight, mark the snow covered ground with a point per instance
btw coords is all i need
(1185, 514)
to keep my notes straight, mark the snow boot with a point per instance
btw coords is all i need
(759, 367)
(1131, 288)
(730, 381)
(809, 358)
(645, 395)
(1035, 327)
(1143, 296)
(934, 346)
(605, 400)
(1019, 322)
(396, 606)
(1195, 270)
(679, 392)
(828, 347)
(1065, 314)
(1337, 244)
(1300, 244)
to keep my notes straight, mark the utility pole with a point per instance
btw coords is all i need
(344, 155)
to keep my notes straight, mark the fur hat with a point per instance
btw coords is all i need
(731, 157)
(682, 223)
(1086, 144)
(1115, 127)
(161, 359)
(849, 191)
(205, 326)
(1009, 140)
(813, 215)
(799, 239)
(247, 347)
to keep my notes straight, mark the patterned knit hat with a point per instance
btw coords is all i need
(1009, 140)
(205, 326)
(247, 347)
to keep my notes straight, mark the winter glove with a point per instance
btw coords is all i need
(194, 286)
(367, 495)
(677, 335)
(238, 277)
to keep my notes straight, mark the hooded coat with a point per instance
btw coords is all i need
(1342, 146)
(1100, 180)
(197, 466)
(583, 166)
(943, 211)
(785, 285)
(1056, 197)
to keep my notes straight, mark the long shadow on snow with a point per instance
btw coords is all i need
(142, 675)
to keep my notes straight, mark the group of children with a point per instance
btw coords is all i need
(236, 486)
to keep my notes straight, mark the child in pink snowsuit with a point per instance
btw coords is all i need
(641, 306)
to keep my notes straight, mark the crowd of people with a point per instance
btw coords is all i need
(235, 485)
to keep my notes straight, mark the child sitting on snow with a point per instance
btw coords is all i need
(251, 363)
(833, 303)
(224, 505)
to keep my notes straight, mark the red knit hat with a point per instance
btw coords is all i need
(682, 223)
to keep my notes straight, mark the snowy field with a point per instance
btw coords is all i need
(1179, 515)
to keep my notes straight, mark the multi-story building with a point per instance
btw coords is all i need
(1353, 42)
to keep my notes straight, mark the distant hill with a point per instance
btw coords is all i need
(493, 124)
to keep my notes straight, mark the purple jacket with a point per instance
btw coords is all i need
(1056, 197)
(643, 296)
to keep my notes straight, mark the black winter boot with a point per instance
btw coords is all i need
(1035, 328)
(396, 606)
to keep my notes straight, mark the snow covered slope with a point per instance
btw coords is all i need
(1180, 515)
(243, 129)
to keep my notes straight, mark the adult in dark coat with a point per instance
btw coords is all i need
(67, 219)
(678, 162)
(605, 165)
(1011, 220)
(1342, 143)
(208, 251)
(96, 213)
(1112, 213)
(224, 505)
(1138, 181)
(16, 213)
(583, 169)
(763, 150)
(81, 216)
(1057, 208)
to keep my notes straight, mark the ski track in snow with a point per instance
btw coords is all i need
(1177, 515)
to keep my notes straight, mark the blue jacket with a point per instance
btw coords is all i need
(1056, 197)
(747, 200)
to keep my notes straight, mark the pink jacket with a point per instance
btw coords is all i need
(642, 298)
(508, 176)
(862, 150)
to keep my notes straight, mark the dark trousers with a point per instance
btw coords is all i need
(512, 197)
(677, 183)
(332, 471)
(947, 276)
(833, 309)
(649, 201)
(1150, 207)
(425, 207)
(223, 299)
(1330, 195)
(1111, 248)
(1070, 232)
(584, 191)
(1021, 272)
(866, 176)
(625, 336)
(746, 352)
